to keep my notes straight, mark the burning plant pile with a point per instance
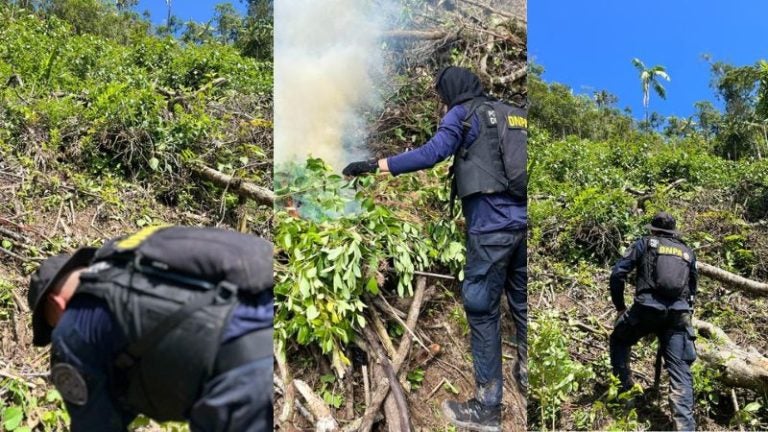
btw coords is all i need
(368, 269)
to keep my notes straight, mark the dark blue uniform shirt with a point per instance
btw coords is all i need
(484, 213)
(627, 263)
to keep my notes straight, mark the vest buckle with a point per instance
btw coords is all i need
(225, 292)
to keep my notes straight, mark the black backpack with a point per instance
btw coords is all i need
(171, 291)
(667, 267)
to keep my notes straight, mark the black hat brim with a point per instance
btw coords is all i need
(668, 231)
(41, 331)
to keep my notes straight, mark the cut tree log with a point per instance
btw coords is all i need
(739, 367)
(239, 186)
(733, 280)
(316, 405)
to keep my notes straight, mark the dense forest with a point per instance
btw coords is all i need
(109, 123)
(597, 177)
(368, 268)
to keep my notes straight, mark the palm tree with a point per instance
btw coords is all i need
(648, 80)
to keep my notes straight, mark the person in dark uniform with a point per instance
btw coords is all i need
(172, 322)
(665, 289)
(489, 140)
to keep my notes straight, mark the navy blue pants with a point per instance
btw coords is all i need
(496, 264)
(676, 336)
(237, 400)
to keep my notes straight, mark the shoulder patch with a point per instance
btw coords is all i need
(654, 243)
(514, 121)
(491, 117)
(133, 241)
(70, 383)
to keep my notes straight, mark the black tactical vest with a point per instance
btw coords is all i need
(171, 291)
(665, 268)
(496, 160)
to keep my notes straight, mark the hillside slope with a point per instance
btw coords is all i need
(597, 177)
(100, 136)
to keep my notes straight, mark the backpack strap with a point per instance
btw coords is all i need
(648, 263)
(466, 125)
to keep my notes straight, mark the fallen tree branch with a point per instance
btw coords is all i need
(739, 367)
(13, 235)
(279, 388)
(289, 391)
(505, 14)
(415, 34)
(434, 275)
(514, 76)
(381, 391)
(733, 280)
(315, 404)
(391, 374)
(14, 255)
(237, 185)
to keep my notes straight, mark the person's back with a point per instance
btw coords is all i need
(155, 342)
(665, 287)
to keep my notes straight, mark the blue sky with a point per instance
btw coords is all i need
(589, 45)
(194, 10)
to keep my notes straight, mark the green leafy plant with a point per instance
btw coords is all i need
(328, 391)
(340, 246)
(415, 377)
(555, 377)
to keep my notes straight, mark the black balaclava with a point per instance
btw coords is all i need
(457, 85)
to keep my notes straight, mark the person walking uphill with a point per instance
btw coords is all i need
(665, 289)
(488, 140)
(171, 322)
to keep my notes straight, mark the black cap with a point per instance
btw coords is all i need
(663, 222)
(47, 276)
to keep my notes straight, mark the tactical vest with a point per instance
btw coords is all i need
(665, 268)
(496, 160)
(171, 292)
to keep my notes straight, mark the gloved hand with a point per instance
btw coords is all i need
(361, 167)
(619, 314)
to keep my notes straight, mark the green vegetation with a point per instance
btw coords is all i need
(596, 178)
(102, 118)
(352, 236)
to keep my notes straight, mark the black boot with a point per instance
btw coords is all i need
(473, 415)
(521, 377)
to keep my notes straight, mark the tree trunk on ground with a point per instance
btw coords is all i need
(236, 185)
(739, 367)
(733, 280)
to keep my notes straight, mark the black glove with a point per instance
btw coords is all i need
(362, 167)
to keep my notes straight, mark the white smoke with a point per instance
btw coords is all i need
(326, 52)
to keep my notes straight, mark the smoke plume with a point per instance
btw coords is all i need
(325, 55)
